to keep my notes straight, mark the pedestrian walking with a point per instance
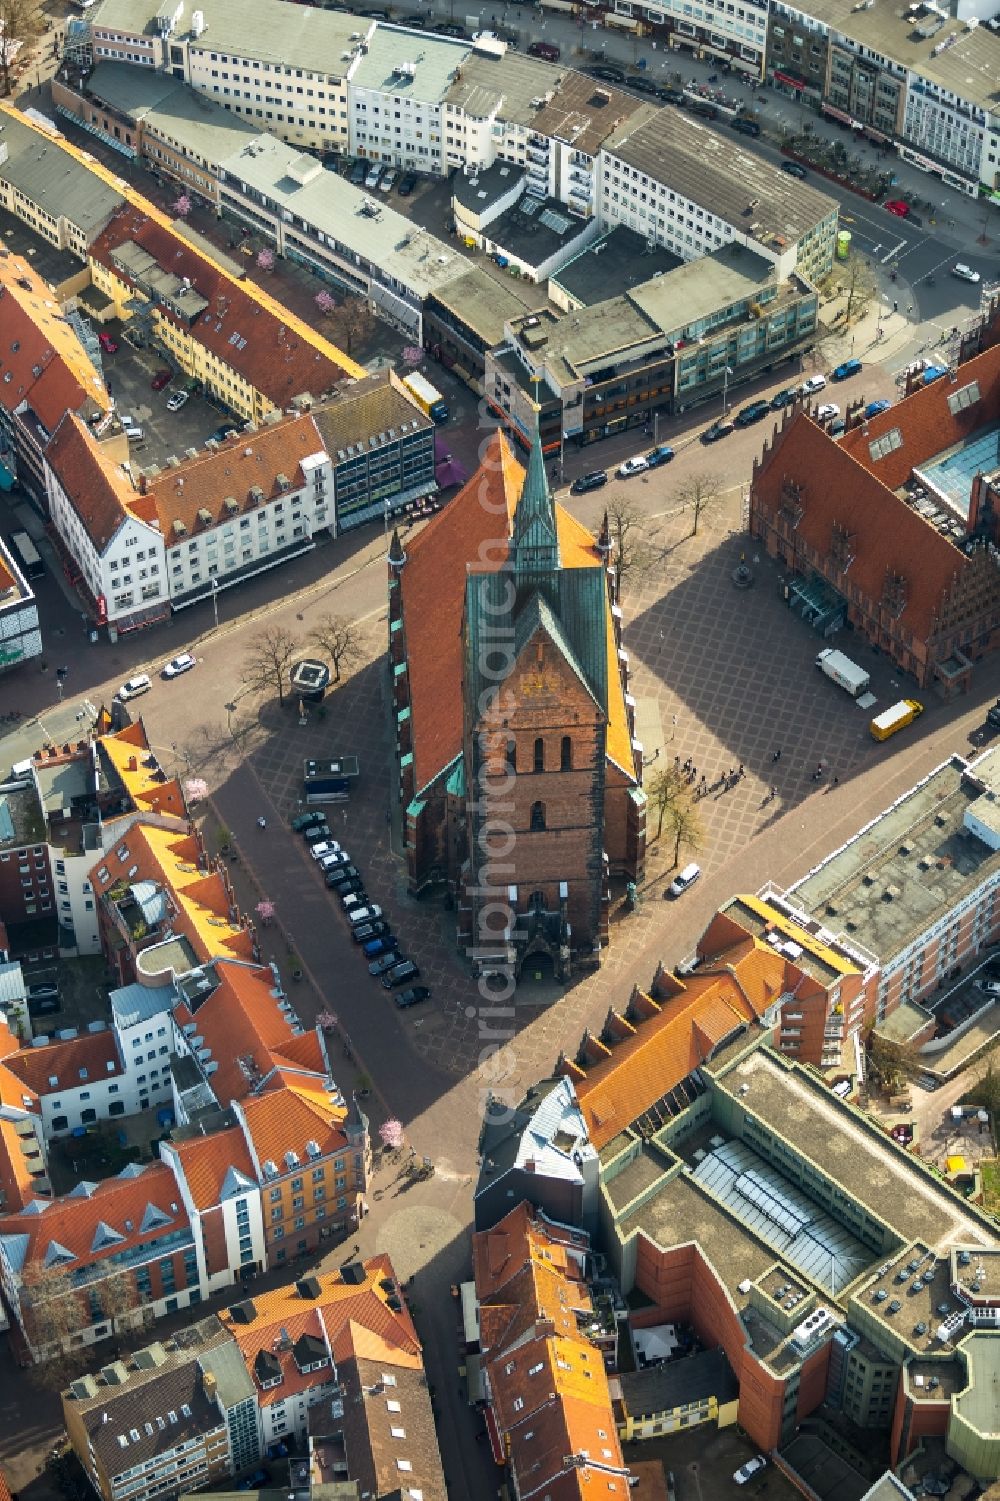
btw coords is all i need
(895, 307)
(262, 822)
(742, 772)
(777, 754)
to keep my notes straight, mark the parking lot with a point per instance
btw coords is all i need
(129, 374)
(703, 1462)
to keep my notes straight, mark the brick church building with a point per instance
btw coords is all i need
(519, 775)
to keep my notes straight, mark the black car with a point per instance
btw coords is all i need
(605, 74)
(45, 990)
(43, 1007)
(224, 431)
(413, 996)
(448, 28)
(703, 108)
(643, 86)
(341, 874)
(365, 930)
(406, 184)
(358, 173)
(783, 399)
(403, 972)
(745, 127)
(748, 415)
(670, 96)
(794, 169)
(383, 963)
(352, 888)
(592, 481)
(716, 431)
(331, 875)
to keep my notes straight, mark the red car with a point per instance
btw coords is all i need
(898, 207)
(107, 343)
(162, 378)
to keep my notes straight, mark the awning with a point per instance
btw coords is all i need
(835, 114)
(496, 1442)
(788, 80)
(627, 23)
(470, 1313)
(474, 1379)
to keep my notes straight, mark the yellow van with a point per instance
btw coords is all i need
(896, 718)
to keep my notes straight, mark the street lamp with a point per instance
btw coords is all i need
(215, 602)
(725, 389)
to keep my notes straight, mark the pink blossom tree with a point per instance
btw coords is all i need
(391, 1134)
(264, 910)
(195, 790)
(183, 206)
(326, 303)
(265, 259)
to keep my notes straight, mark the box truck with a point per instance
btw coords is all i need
(427, 397)
(842, 671)
(896, 718)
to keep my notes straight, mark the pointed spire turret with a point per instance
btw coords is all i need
(603, 543)
(536, 540)
(397, 555)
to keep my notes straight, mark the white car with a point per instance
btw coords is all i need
(386, 184)
(632, 466)
(991, 987)
(964, 272)
(325, 847)
(749, 1470)
(356, 915)
(177, 665)
(814, 383)
(133, 688)
(683, 880)
(177, 400)
(826, 411)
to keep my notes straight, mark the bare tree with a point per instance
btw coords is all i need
(351, 322)
(266, 664)
(119, 1298)
(701, 495)
(20, 23)
(630, 541)
(664, 789)
(53, 1310)
(337, 639)
(986, 1094)
(684, 822)
(859, 286)
(892, 1064)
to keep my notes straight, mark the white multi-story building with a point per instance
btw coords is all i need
(399, 83)
(119, 553)
(20, 632)
(734, 33)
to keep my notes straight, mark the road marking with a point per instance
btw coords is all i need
(900, 245)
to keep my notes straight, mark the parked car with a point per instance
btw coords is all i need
(44, 1007)
(161, 378)
(964, 272)
(177, 400)
(748, 415)
(716, 431)
(343, 874)
(330, 864)
(326, 847)
(385, 186)
(684, 879)
(643, 86)
(318, 834)
(352, 891)
(783, 399)
(795, 169)
(898, 207)
(846, 370)
(225, 430)
(413, 996)
(358, 915)
(107, 343)
(358, 172)
(703, 109)
(933, 372)
(134, 687)
(875, 407)
(991, 987)
(812, 384)
(179, 664)
(826, 411)
(592, 481)
(749, 1470)
(636, 465)
(375, 946)
(448, 28)
(308, 820)
(546, 50)
(406, 184)
(838, 428)
(605, 74)
(372, 929)
(45, 990)
(670, 96)
(745, 127)
(384, 963)
(400, 974)
(374, 173)
(662, 454)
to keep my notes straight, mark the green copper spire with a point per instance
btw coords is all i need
(535, 542)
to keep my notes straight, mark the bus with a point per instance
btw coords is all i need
(26, 555)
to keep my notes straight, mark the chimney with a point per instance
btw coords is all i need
(209, 1385)
(133, 764)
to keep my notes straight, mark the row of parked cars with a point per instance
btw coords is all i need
(638, 464)
(369, 927)
(376, 175)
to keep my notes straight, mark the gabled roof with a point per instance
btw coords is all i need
(136, 766)
(67, 1065)
(214, 1165)
(241, 1027)
(40, 352)
(269, 461)
(96, 488)
(264, 343)
(281, 1121)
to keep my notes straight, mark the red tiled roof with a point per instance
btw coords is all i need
(240, 1020)
(245, 461)
(206, 1162)
(46, 364)
(275, 359)
(71, 1064)
(284, 1120)
(95, 487)
(121, 1203)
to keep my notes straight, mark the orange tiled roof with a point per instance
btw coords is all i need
(207, 1161)
(136, 1208)
(521, 1237)
(96, 488)
(349, 1318)
(129, 752)
(71, 1064)
(281, 357)
(240, 1020)
(47, 365)
(209, 481)
(679, 1035)
(284, 1120)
